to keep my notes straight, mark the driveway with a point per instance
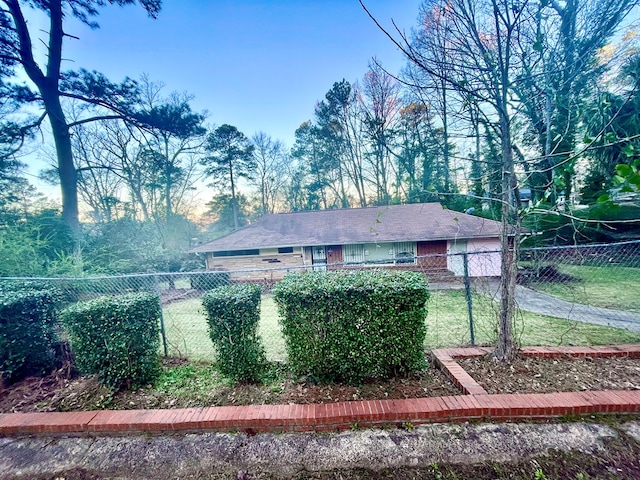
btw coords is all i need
(543, 304)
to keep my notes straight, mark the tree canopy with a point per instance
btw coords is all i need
(53, 86)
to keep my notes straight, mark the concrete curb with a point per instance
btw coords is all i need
(474, 404)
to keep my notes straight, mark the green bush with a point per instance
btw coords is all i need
(53, 289)
(346, 326)
(27, 334)
(116, 338)
(599, 223)
(233, 313)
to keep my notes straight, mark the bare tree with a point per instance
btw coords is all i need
(53, 86)
(99, 184)
(270, 174)
(480, 61)
(157, 166)
(173, 142)
(339, 121)
(562, 65)
(381, 111)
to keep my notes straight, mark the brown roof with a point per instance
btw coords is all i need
(396, 223)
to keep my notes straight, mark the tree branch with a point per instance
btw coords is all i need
(96, 119)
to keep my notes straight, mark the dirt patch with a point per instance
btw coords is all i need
(65, 390)
(565, 374)
(431, 383)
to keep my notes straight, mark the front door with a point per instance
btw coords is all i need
(433, 254)
(334, 254)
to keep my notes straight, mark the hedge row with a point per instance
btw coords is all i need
(233, 314)
(338, 326)
(345, 326)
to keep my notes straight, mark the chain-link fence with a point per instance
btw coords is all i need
(577, 295)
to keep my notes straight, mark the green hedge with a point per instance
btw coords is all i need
(346, 326)
(27, 334)
(233, 313)
(116, 338)
(54, 289)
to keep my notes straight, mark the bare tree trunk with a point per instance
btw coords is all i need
(66, 167)
(233, 197)
(509, 246)
(445, 133)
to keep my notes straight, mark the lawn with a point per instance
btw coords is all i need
(447, 326)
(187, 334)
(609, 286)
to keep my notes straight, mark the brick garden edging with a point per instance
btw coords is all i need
(473, 404)
(444, 358)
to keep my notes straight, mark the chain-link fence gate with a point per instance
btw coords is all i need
(565, 295)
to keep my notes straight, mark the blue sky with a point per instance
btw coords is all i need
(255, 64)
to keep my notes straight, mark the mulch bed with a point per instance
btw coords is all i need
(565, 374)
(64, 391)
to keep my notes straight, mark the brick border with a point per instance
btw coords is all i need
(474, 404)
(444, 358)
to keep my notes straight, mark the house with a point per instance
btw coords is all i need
(415, 236)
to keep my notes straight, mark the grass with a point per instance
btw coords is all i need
(187, 331)
(194, 384)
(609, 286)
(191, 380)
(447, 326)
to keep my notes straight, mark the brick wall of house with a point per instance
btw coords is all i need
(277, 262)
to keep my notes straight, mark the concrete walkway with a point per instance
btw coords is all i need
(543, 304)
(206, 455)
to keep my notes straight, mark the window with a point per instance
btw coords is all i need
(285, 249)
(404, 253)
(236, 253)
(401, 253)
(353, 254)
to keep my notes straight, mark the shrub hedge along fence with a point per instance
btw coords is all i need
(27, 333)
(233, 313)
(116, 338)
(346, 326)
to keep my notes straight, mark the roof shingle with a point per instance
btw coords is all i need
(395, 223)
